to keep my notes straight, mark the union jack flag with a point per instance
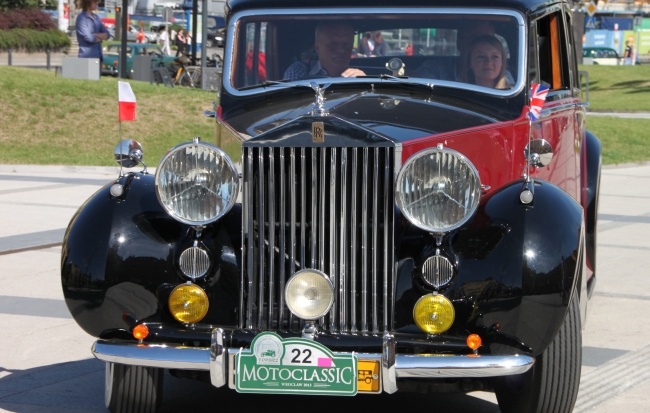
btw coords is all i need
(537, 97)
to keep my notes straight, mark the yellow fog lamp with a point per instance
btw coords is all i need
(434, 313)
(188, 303)
(309, 294)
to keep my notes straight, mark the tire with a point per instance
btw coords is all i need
(551, 385)
(133, 389)
(186, 79)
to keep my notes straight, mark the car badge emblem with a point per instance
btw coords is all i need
(317, 132)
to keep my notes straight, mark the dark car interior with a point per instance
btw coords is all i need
(273, 44)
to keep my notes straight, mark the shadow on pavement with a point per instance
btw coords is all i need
(79, 387)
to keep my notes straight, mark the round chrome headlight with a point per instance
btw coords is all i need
(309, 294)
(438, 189)
(197, 183)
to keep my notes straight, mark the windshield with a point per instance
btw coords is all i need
(482, 49)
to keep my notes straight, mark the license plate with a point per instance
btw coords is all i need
(294, 366)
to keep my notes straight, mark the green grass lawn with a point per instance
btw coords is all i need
(47, 119)
(50, 120)
(620, 89)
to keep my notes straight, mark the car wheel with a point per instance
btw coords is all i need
(133, 389)
(551, 385)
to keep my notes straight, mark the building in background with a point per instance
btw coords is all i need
(614, 23)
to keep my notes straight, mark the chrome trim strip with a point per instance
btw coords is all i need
(522, 37)
(152, 355)
(292, 211)
(313, 239)
(283, 238)
(354, 242)
(389, 221)
(303, 209)
(375, 247)
(461, 366)
(272, 220)
(333, 237)
(260, 243)
(389, 377)
(216, 360)
(343, 268)
(248, 226)
(323, 204)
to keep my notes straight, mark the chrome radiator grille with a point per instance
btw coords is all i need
(329, 209)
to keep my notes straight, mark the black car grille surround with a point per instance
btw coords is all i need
(323, 208)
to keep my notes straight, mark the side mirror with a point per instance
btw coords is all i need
(539, 152)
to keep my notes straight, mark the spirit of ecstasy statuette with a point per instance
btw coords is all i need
(320, 99)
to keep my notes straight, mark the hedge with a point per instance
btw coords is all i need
(30, 30)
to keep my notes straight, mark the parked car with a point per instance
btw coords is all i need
(601, 56)
(216, 22)
(111, 62)
(403, 229)
(132, 34)
(215, 39)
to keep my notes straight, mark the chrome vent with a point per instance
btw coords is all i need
(437, 271)
(329, 209)
(194, 262)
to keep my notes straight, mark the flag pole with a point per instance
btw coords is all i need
(126, 107)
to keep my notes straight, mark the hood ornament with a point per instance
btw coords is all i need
(320, 109)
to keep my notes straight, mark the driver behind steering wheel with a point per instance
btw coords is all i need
(333, 44)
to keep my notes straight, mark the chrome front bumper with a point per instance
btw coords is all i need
(218, 360)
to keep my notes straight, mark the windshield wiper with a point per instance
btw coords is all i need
(266, 83)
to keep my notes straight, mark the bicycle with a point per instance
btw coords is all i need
(197, 74)
(183, 77)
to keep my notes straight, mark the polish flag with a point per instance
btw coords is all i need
(127, 101)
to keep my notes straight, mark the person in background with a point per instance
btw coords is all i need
(90, 30)
(627, 54)
(380, 46)
(179, 41)
(188, 43)
(140, 37)
(333, 44)
(373, 44)
(486, 63)
(365, 46)
(163, 40)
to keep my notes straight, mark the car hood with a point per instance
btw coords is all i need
(398, 116)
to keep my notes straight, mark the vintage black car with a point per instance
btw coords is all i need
(419, 217)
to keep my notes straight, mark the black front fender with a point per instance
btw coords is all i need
(531, 271)
(120, 254)
(517, 266)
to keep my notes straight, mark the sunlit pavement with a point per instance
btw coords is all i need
(45, 359)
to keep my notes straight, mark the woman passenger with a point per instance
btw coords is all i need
(486, 63)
